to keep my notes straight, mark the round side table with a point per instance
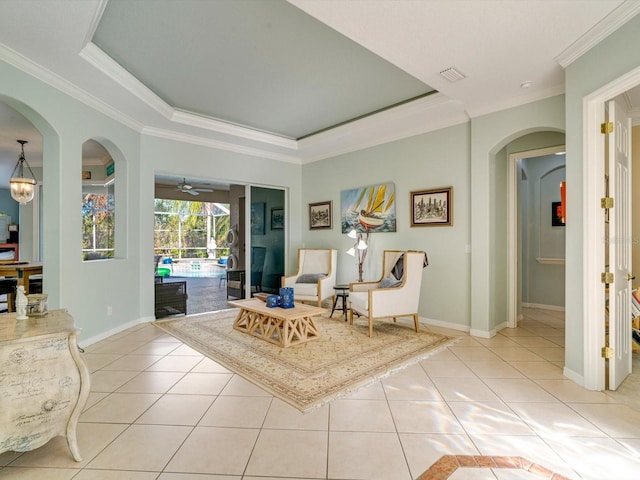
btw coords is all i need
(341, 291)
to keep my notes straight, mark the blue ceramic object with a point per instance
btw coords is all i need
(286, 297)
(273, 301)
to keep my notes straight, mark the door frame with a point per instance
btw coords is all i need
(247, 206)
(593, 303)
(514, 283)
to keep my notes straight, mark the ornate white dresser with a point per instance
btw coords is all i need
(44, 382)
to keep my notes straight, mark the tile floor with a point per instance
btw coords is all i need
(161, 411)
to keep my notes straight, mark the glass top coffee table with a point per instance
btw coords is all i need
(281, 326)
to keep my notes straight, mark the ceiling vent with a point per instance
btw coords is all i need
(452, 74)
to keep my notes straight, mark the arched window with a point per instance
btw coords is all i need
(98, 202)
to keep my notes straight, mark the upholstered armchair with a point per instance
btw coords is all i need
(316, 275)
(395, 294)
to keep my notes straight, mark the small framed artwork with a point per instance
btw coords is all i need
(277, 218)
(556, 215)
(86, 175)
(320, 215)
(257, 218)
(431, 208)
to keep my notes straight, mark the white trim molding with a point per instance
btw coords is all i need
(621, 15)
(542, 306)
(550, 261)
(593, 302)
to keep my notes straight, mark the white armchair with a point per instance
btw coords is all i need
(396, 294)
(316, 275)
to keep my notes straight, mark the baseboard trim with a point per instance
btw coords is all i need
(542, 306)
(573, 376)
(101, 336)
(500, 326)
(482, 333)
(440, 323)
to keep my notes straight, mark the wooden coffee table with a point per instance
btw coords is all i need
(281, 326)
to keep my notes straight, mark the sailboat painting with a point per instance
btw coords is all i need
(369, 209)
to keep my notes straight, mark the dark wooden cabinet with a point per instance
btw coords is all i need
(171, 298)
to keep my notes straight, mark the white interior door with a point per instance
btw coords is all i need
(619, 168)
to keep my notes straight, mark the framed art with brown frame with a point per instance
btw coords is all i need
(432, 208)
(320, 215)
(277, 218)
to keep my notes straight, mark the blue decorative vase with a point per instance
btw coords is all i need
(286, 297)
(273, 301)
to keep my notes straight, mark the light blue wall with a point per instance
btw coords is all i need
(490, 134)
(437, 159)
(8, 206)
(88, 289)
(477, 169)
(542, 283)
(458, 287)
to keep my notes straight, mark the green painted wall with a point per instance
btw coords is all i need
(615, 56)
(88, 289)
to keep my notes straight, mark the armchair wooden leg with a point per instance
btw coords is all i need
(350, 317)
(415, 321)
(370, 325)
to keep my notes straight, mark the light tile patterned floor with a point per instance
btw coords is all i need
(161, 411)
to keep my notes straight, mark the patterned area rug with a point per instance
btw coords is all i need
(308, 375)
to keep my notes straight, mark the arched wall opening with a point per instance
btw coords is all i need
(501, 206)
(40, 236)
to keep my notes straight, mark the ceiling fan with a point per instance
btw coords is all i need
(185, 187)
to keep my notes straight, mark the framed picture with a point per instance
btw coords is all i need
(320, 215)
(556, 217)
(257, 218)
(86, 175)
(431, 208)
(277, 218)
(369, 209)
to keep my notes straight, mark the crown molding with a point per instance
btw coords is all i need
(103, 62)
(207, 123)
(517, 101)
(41, 73)
(208, 142)
(424, 115)
(618, 17)
(95, 21)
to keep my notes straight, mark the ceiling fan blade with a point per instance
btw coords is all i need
(190, 192)
(205, 190)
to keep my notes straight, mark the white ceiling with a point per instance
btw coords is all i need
(253, 75)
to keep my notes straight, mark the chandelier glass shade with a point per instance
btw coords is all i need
(22, 187)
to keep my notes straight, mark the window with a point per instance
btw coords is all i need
(191, 229)
(98, 221)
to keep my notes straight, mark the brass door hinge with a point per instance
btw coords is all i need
(606, 352)
(606, 127)
(606, 277)
(606, 202)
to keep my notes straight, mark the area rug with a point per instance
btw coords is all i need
(310, 374)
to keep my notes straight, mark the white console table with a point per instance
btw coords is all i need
(44, 382)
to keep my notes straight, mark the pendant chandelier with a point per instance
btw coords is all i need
(22, 187)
